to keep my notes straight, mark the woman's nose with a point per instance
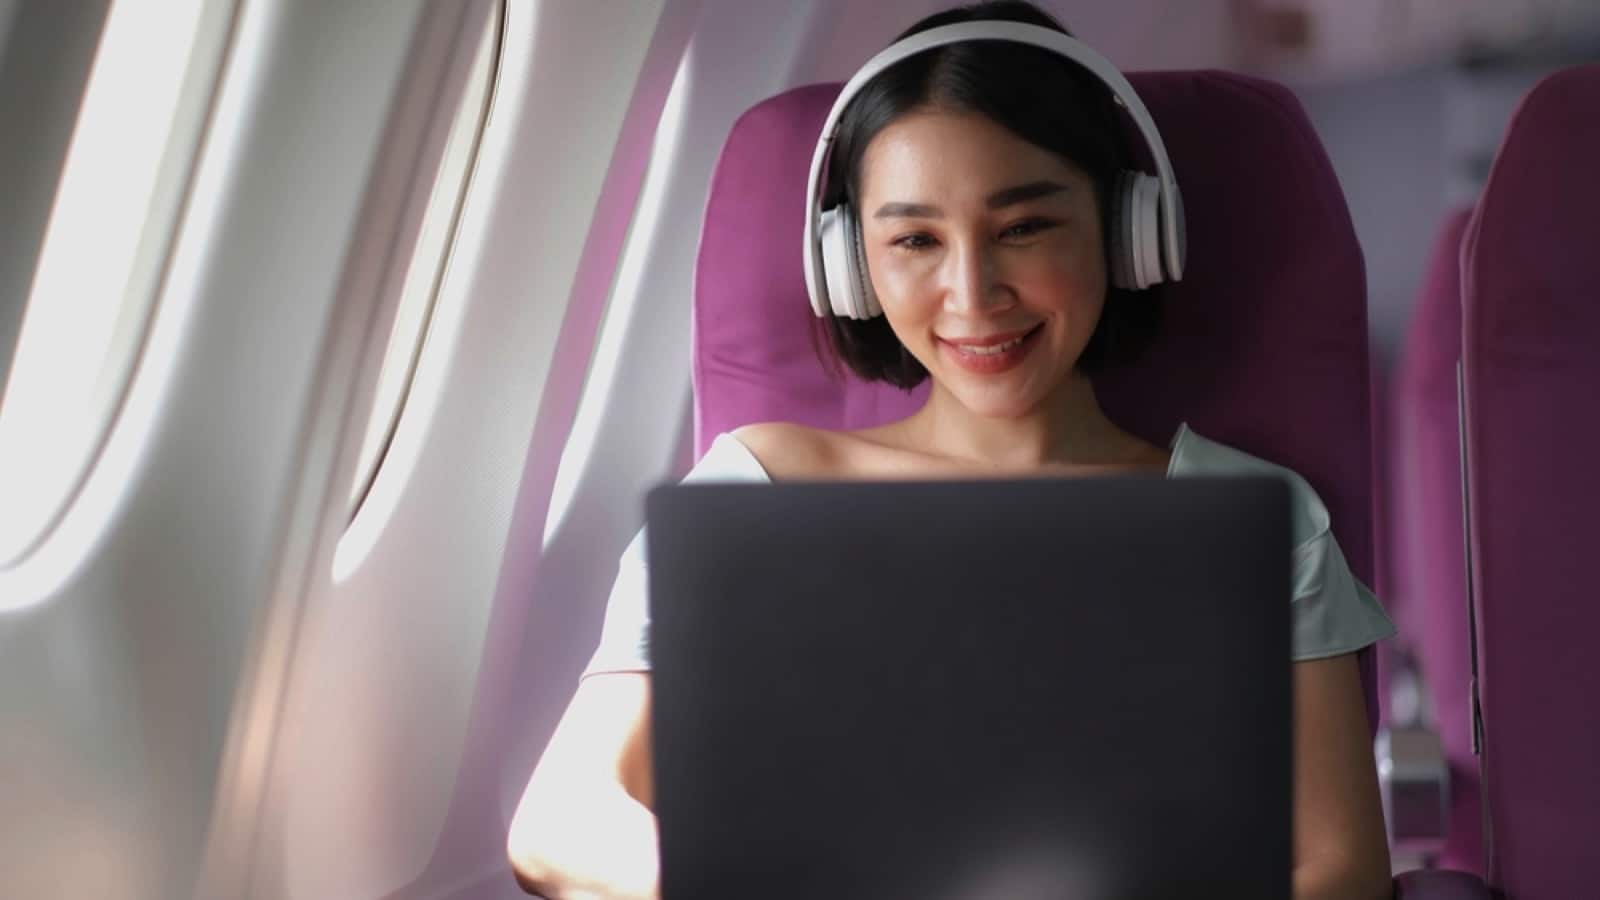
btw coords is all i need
(974, 283)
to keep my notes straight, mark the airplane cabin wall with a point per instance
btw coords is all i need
(124, 633)
(1135, 34)
(431, 669)
(375, 789)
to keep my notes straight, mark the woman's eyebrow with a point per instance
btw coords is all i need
(1033, 190)
(908, 211)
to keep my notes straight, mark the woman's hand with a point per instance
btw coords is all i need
(584, 827)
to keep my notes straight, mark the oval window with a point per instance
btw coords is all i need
(96, 280)
(427, 267)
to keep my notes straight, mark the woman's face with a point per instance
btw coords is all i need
(986, 255)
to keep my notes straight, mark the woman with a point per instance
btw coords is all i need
(982, 175)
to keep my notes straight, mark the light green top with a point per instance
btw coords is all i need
(1333, 612)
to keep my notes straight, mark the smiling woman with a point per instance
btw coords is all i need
(992, 281)
(980, 227)
(1070, 131)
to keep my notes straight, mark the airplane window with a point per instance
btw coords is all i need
(428, 264)
(95, 283)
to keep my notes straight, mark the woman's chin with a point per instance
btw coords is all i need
(1000, 401)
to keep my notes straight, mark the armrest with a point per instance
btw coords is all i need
(1440, 884)
(1414, 782)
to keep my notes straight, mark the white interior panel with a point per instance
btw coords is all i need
(373, 789)
(640, 422)
(158, 572)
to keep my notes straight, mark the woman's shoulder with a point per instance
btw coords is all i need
(728, 458)
(786, 450)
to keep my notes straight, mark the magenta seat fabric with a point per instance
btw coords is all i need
(754, 360)
(1265, 341)
(1388, 655)
(1429, 550)
(1531, 349)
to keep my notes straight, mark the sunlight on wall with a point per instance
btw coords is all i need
(427, 267)
(625, 295)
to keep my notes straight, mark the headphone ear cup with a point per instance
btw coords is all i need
(832, 228)
(1136, 231)
(844, 263)
(1136, 234)
(866, 299)
(1174, 258)
(1120, 231)
(1148, 247)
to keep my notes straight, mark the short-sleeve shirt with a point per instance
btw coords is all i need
(1332, 611)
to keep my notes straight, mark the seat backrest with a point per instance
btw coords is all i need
(1428, 551)
(1531, 354)
(1264, 342)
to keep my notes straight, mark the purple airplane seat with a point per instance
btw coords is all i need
(1531, 359)
(1263, 344)
(1392, 655)
(1429, 547)
(1413, 775)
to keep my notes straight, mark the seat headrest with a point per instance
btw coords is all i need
(1530, 268)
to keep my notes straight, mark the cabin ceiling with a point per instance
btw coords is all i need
(1296, 41)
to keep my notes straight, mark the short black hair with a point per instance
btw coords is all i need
(1036, 94)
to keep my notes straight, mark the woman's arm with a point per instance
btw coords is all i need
(584, 827)
(1340, 848)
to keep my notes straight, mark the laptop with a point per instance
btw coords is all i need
(1004, 689)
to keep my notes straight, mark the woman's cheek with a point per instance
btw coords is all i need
(1078, 275)
(898, 283)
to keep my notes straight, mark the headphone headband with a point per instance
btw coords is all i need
(1172, 238)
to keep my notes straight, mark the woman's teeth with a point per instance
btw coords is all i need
(992, 349)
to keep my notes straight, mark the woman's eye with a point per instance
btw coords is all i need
(1027, 228)
(913, 242)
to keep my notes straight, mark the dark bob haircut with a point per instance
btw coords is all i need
(1039, 96)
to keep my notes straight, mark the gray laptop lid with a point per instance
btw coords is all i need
(1052, 688)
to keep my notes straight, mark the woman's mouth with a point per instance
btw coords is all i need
(991, 355)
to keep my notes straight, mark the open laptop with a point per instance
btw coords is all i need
(1066, 688)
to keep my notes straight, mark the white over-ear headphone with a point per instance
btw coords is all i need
(1146, 230)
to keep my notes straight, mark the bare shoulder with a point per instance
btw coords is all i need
(790, 451)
